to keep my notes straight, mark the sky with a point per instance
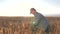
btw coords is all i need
(22, 7)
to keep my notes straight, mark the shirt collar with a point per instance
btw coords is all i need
(35, 13)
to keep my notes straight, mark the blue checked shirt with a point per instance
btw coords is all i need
(40, 21)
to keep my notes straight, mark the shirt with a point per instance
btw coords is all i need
(40, 21)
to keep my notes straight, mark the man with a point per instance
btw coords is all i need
(40, 22)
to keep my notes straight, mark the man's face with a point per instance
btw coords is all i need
(32, 11)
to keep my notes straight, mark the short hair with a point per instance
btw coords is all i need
(33, 9)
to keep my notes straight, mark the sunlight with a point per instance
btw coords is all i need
(22, 8)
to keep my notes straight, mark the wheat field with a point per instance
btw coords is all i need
(21, 25)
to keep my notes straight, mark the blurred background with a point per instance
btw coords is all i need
(15, 17)
(22, 7)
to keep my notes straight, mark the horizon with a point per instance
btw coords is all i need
(22, 7)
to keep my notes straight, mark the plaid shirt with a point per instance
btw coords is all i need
(40, 21)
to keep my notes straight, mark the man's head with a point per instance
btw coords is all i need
(32, 11)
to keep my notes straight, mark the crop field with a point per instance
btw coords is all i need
(21, 25)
